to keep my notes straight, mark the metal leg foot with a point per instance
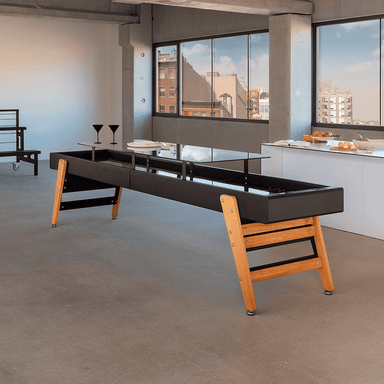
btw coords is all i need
(114, 217)
(16, 166)
(328, 292)
(54, 225)
(251, 313)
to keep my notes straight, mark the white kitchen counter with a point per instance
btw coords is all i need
(360, 173)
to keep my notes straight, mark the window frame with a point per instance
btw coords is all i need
(331, 126)
(178, 76)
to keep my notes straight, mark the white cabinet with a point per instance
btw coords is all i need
(360, 176)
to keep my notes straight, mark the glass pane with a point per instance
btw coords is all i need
(223, 154)
(168, 150)
(230, 68)
(348, 73)
(198, 154)
(259, 76)
(166, 79)
(196, 67)
(229, 186)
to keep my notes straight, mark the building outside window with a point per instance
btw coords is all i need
(166, 62)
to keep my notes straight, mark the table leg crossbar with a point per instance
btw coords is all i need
(70, 183)
(252, 236)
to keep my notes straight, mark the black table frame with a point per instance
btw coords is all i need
(21, 154)
(283, 212)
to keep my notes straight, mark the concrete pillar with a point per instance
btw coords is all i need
(128, 86)
(136, 42)
(290, 58)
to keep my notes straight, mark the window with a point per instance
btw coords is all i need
(162, 108)
(162, 91)
(226, 77)
(172, 109)
(348, 68)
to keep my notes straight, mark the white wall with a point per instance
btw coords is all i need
(63, 75)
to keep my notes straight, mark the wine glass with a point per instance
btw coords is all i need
(113, 128)
(97, 129)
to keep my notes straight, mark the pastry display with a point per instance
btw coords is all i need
(318, 136)
(345, 146)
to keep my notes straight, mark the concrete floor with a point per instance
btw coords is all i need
(153, 297)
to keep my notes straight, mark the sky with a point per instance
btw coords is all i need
(230, 56)
(348, 55)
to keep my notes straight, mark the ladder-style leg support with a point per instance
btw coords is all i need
(254, 236)
(61, 170)
(115, 208)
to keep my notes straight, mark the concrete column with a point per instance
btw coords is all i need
(290, 58)
(141, 39)
(136, 42)
(128, 86)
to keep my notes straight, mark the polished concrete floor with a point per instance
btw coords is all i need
(153, 297)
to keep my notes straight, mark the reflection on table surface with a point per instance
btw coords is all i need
(189, 153)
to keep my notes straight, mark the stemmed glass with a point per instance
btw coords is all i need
(113, 129)
(97, 129)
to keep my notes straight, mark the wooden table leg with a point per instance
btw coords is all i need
(115, 208)
(232, 220)
(59, 190)
(325, 271)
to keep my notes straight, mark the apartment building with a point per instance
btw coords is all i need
(334, 104)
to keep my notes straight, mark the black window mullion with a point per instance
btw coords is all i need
(212, 77)
(179, 67)
(380, 75)
(249, 78)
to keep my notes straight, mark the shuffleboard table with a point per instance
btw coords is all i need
(259, 211)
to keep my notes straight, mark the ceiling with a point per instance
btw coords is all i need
(258, 7)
